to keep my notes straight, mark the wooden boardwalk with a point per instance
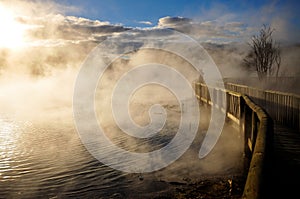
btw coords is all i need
(280, 178)
(284, 178)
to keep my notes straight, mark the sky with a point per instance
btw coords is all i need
(132, 13)
(57, 33)
(282, 15)
(207, 21)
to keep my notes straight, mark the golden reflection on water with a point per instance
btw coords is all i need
(47, 158)
(12, 148)
(8, 141)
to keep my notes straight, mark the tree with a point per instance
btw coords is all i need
(264, 54)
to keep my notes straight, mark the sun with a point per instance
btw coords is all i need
(12, 32)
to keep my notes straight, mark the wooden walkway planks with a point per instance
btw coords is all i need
(284, 176)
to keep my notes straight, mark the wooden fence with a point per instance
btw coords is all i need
(256, 127)
(284, 108)
(226, 101)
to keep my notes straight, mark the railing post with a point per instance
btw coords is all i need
(200, 93)
(207, 93)
(247, 135)
(253, 130)
(227, 103)
(242, 114)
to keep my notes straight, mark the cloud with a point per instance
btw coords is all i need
(281, 16)
(48, 23)
(50, 26)
(38, 7)
(173, 21)
(52, 33)
(205, 30)
(221, 23)
(54, 41)
(146, 22)
(84, 21)
(59, 27)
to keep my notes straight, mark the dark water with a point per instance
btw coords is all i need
(46, 159)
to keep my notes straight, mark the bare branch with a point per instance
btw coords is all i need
(265, 54)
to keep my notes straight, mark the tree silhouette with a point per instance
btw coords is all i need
(264, 54)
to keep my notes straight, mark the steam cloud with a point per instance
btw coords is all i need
(43, 73)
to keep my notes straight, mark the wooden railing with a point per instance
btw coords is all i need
(226, 101)
(256, 127)
(284, 108)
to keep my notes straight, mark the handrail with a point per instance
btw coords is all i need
(259, 137)
(256, 126)
(284, 108)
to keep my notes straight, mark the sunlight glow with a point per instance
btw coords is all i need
(12, 32)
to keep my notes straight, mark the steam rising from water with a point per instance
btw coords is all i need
(38, 140)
